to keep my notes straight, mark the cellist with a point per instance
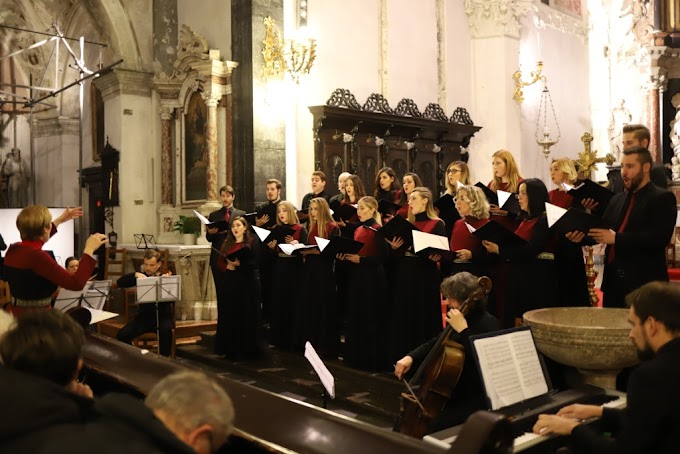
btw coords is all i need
(468, 395)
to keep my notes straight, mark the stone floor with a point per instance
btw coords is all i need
(368, 397)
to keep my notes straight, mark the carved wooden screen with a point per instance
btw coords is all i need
(361, 140)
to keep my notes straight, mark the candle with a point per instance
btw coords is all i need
(546, 131)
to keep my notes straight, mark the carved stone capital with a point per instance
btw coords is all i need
(211, 98)
(488, 18)
(124, 82)
(166, 113)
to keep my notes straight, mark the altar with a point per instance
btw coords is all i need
(193, 264)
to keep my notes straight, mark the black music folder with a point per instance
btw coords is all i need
(250, 218)
(447, 209)
(279, 233)
(220, 225)
(491, 196)
(338, 245)
(242, 255)
(587, 189)
(343, 211)
(511, 202)
(426, 244)
(496, 233)
(571, 220)
(387, 208)
(398, 227)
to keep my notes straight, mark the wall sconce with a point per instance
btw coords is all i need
(296, 56)
(520, 84)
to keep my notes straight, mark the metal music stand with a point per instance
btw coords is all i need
(92, 296)
(158, 289)
(144, 241)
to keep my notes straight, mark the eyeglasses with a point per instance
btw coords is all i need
(453, 171)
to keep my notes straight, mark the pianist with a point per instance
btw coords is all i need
(651, 421)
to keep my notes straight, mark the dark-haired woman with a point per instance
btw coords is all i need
(416, 304)
(410, 181)
(533, 283)
(238, 311)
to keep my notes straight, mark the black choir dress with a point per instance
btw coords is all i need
(320, 301)
(287, 318)
(365, 344)
(238, 308)
(415, 313)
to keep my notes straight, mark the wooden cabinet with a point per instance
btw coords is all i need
(361, 140)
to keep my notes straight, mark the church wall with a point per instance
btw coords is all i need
(212, 20)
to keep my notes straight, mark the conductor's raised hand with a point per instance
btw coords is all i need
(94, 242)
(402, 366)
(68, 214)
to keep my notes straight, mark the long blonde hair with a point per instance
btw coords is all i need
(290, 209)
(511, 171)
(372, 203)
(323, 216)
(429, 209)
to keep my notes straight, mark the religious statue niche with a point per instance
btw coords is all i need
(195, 160)
(16, 177)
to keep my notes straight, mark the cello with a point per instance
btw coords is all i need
(437, 376)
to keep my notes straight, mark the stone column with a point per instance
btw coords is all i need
(211, 100)
(167, 178)
(494, 27)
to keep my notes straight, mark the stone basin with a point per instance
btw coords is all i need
(594, 340)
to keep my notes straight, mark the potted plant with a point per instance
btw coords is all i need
(189, 227)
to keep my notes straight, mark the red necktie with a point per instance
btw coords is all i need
(622, 227)
(227, 215)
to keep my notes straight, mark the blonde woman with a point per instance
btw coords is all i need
(416, 302)
(286, 316)
(569, 264)
(319, 308)
(365, 297)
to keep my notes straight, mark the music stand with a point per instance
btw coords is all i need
(144, 241)
(92, 297)
(158, 289)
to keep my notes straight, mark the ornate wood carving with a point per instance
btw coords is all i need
(342, 97)
(461, 117)
(434, 111)
(407, 107)
(377, 103)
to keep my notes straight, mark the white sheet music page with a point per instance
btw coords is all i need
(262, 234)
(503, 197)
(511, 369)
(327, 379)
(470, 228)
(322, 242)
(422, 240)
(203, 219)
(553, 213)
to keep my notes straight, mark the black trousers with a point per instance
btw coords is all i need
(145, 322)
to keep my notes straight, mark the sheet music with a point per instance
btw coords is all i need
(92, 296)
(100, 316)
(553, 213)
(158, 288)
(422, 240)
(511, 369)
(288, 249)
(470, 228)
(503, 197)
(262, 234)
(327, 379)
(322, 242)
(203, 219)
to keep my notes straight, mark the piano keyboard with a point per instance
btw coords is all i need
(528, 439)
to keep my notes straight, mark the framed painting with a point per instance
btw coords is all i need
(194, 159)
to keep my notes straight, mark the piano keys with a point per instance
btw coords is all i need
(523, 416)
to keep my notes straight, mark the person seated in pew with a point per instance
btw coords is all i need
(33, 275)
(651, 421)
(145, 320)
(186, 412)
(468, 395)
(43, 399)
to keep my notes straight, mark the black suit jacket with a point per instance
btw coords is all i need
(216, 239)
(640, 250)
(651, 421)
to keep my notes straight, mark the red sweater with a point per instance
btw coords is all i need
(461, 238)
(366, 234)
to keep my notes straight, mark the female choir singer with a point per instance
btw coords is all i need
(416, 303)
(287, 318)
(533, 283)
(506, 178)
(410, 182)
(366, 306)
(354, 190)
(320, 306)
(457, 172)
(238, 308)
